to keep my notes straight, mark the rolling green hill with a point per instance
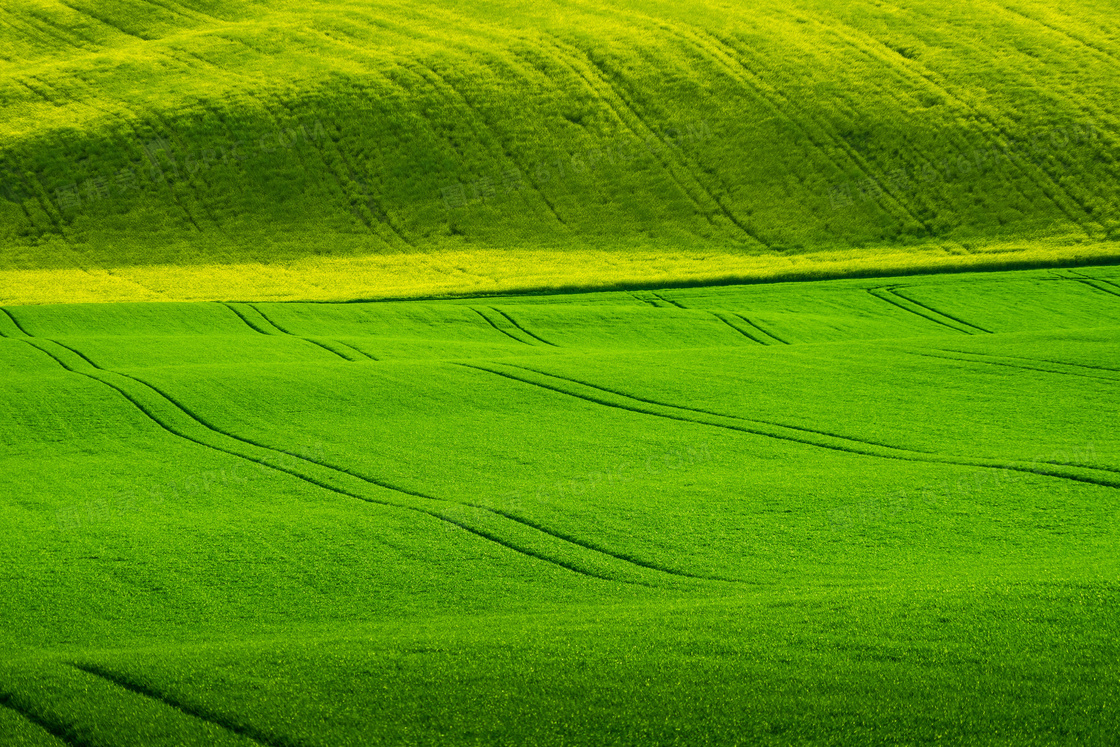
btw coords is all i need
(447, 396)
(848, 512)
(249, 150)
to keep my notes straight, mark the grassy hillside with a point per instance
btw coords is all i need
(460, 146)
(847, 512)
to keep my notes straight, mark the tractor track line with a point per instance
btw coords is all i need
(247, 732)
(245, 319)
(15, 321)
(495, 326)
(190, 181)
(289, 334)
(57, 32)
(942, 313)
(677, 417)
(490, 130)
(176, 11)
(913, 69)
(1092, 282)
(389, 486)
(1058, 30)
(514, 323)
(729, 324)
(892, 302)
(359, 351)
(754, 79)
(102, 21)
(596, 548)
(37, 34)
(370, 481)
(645, 300)
(577, 58)
(1096, 287)
(907, 457)
(325, 486)
(1009, 365)
(335, 166)
(1033, 360)
(276, 326)
(712, 412)
(763, 331)
(451, 40)
(328, 348)
(667, 300)
(59, 731)
(726, 56)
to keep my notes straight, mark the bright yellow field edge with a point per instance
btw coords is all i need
(507, 271)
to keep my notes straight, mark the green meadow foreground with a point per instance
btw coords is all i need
(844, 512)
(336, 407)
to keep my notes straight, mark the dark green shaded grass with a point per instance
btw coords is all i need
(269, 131)
(966, 664)
(19, 731)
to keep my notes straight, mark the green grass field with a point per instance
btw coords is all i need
(566, 372)
(327, 150)
(845, 512)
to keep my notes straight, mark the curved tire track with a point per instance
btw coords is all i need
(511, 320)
(452, 507)
(749, 336)
(629, 403)
(600, 85)
(700, 411)
(508, 334)
(768, 333)
(976, 327)
(59, 731)
(247, 732)
(1007, 365)
(882, 296)
(281, 330)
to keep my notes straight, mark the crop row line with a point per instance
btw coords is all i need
(927, 307)
(256, 327)
(202, 714)
(600, 83)
(881, 294)
(1035, 360)
(708, 412)
(55, 728)
(873, 48)
(105, 377)
(629, 403)
(311, 480)
(1008, 365)
(744, 333)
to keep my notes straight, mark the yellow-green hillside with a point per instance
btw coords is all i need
(274, 149)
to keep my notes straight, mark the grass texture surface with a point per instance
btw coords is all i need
(282, 150)
(842, 512)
